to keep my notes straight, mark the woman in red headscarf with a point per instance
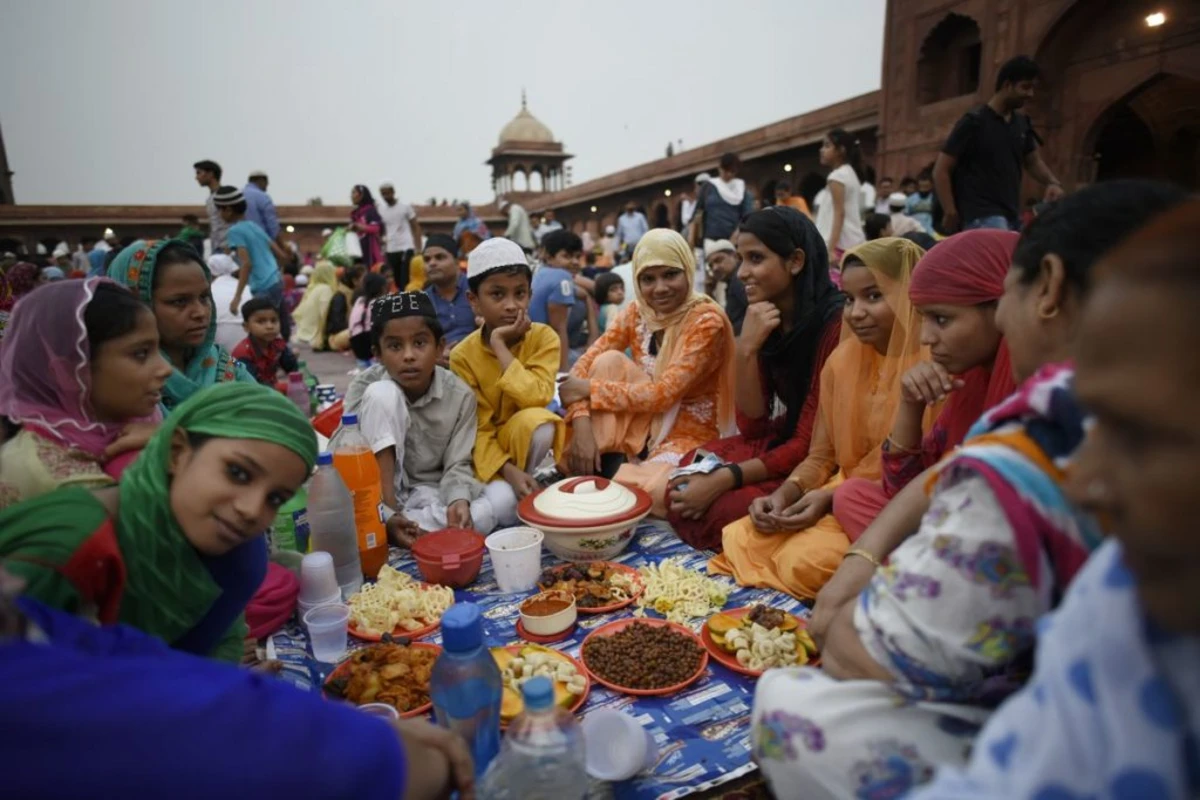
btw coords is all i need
(955, 287)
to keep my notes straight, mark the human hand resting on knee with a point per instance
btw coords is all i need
(458, 515)
(520, 480)
(701, 492)
(805, 512)
(583, 457)
(764, 510)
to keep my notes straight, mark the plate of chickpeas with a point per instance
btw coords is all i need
(646, 657)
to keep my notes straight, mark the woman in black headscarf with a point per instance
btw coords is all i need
(792, 324)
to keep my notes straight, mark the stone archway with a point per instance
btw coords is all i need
(1152, 131)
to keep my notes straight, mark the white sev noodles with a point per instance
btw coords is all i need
(396, 601)
(678, 593)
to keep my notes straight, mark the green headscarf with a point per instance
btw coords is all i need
(168, 590)
(209, 363)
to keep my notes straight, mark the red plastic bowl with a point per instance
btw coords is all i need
(450, 557)
(326, 423)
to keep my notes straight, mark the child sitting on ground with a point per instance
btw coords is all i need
(510, 363)
(610, 294)
(420, 421)
(263, 352)
(374, 286)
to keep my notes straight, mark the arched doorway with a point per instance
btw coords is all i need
(1152, 132)
(948, 65)
(662, 217)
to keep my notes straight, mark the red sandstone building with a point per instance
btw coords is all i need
(1120, 97)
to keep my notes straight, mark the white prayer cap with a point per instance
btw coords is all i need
(221, 264)
(716, 246)
(897, 200)
(494, 253)
(302, 280)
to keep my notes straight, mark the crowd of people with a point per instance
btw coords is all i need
(973, 457)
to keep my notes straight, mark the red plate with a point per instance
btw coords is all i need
(638, 588)
(515, 649)
(378, 637)
(416, 712)
(728, 659)
(620, 625)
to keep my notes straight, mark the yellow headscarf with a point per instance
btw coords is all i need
(664, 247)
(310, 314)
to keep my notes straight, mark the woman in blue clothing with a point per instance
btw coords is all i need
(128, 717)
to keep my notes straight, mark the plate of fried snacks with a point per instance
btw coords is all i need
(756, 638)
(644, 656)
(598, 586)
(395, 674)
(520, 662)
(678, 593)
(397, 604)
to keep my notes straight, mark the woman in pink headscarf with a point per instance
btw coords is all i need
(955, 287)
(81, 374)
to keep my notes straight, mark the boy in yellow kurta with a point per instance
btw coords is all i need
(510, 364)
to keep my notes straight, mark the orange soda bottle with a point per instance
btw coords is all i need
(355, 463)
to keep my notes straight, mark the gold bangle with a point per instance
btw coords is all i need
(858, 551)
(908, 451)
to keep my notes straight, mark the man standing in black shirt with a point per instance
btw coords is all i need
(978, 172)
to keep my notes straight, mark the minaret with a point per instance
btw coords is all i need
(6, 190)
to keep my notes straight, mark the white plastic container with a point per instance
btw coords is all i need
(318, 579)
(331, 524)
(617, 746)
(327, 627)
(516, 555)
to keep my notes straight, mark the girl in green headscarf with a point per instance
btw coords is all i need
(176, 548)
(171, 278)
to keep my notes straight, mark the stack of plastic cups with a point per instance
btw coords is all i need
(617, 746)
(326, 395)
(318, 582)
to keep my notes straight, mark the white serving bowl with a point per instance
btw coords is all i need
(586, 519)
(550, 624)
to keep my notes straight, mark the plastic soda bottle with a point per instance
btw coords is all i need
(331, 523)
(543, 756)
(354, 461)
(297, 392)
(466, 686)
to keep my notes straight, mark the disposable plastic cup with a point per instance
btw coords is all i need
(318, 580)
(306, 607)
(516, 558)
(327, 631)
(617, 746)
(381, 710)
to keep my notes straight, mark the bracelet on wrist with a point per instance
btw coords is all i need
(861, 553)
(895, 447)
(736, 471)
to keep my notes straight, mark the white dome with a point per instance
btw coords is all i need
(525, 127)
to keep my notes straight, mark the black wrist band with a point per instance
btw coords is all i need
(737, 474)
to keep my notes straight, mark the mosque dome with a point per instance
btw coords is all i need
(525, 127)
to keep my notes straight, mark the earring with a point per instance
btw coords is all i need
(1051, 314)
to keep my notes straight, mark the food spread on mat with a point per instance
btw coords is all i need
(397, 603)
(764, 638)
(530, 661)
(678, 593)
(385, 673)
(643, 656)
(594, 585)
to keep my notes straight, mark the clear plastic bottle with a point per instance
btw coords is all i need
(297, 392)
(331, 524)
(543, 755)
(356, 464)
(465, 685)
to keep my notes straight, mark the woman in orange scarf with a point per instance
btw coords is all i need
(791, 541)
(955, 288)
(673, 396)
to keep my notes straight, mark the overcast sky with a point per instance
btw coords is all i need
(112, 102)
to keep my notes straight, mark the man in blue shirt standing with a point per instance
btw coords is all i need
(259, 207)
(253, 250)
(631, 227)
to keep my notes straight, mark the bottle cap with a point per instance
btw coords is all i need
(324, 458)
(462, 628)
(350, 419)
(538, 693)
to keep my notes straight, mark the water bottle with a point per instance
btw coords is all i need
(310, 383)
(465, 685)
(355, 462)
(331, 524)
(543, 754)
(291, 523)
(297, 392)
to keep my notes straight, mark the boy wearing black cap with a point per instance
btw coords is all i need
(254, 251)
(420, 420)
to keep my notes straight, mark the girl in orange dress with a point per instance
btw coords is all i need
(673, 395)
(791, 541)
